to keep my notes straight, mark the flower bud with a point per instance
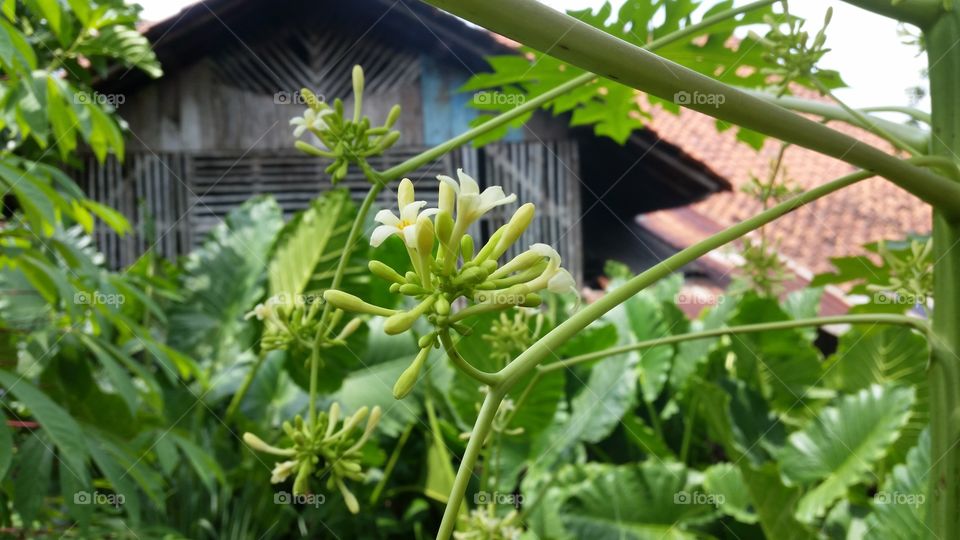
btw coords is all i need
(301, 486)
(405, 193)
(383, 271)
(311, 99)
(515, 227)
(349, 302)
(444, 224)
(491, 244)
(350, 328)
(392, 116)
(358, 81)
(408, 379)
(410, 289)
(466, 248)
(312, 150)
(447, 198)
(442, 306)
(256, 443)
(532, 300)
(425, 236)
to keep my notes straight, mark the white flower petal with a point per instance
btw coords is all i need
(545, 250)
(381, 233)
(282, 471)
(409, 212)
(299, 130)
(467, 184)
(450, 182)
(410, 236)
(430, 212)
(561, 282)
(387, 218)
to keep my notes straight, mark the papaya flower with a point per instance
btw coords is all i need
(407, 224)
(311, 119)
(471, 203)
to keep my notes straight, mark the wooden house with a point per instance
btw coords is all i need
(213, 131)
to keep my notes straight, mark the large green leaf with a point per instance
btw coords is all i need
(725, 481)
(774, 503)
(899, 507)
(311, 243)
(652, 500)
(839, 448)
(886, 356)
(222, 280)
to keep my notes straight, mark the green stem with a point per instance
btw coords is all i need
(688, 429)
(466, 367)
(944, 372)
(866, 123)
(244, 388)
(915, 137)
(533, 356)
(391, 464)
(903, 320)
(917, 12)
(438, 151)
(916, 114)
(488, 411)
(539, 26)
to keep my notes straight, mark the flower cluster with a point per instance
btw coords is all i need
(791, 53)
(484, 524)
(327, 448)
(346, 140)
(447, 267)
(509, 336)
(291, 323)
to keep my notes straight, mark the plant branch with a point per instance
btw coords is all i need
(918, 12)
(451, 349)
(412, 164)
(903, 320)
(582, 45)
(916, 138)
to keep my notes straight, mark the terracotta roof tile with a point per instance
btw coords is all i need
(836, 225)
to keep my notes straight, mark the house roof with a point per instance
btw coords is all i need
(836, 225)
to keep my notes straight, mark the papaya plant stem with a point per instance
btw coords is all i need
(414, 163)
(478, 437)
(944, 371)
(866, 123)
(528, 360)
(391, 464)
(916, 114)
(451, 350)
(571, 40)
(903, 320)
(918, 12)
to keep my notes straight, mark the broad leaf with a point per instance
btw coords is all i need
(840, 447)
(899, 506)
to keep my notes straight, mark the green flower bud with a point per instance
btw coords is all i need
(408, 379)
(383, 271)
(442, 306)
(311, 99)
(358, 81)
(348, 497)
(401, 322)
(385, 142)
(392, 116)
(425, 236)
(312, 150)
(466, 248)
(427, 340)
(532, 300)
(301, 486)
(410, 289)
(444, 224)
(447, 198)
(350, 328)
(394, 288)
(349, 302)
(491, 244)
(518, 223)
(256, 443)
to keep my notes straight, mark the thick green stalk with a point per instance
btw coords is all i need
(916, 138)
(462, 364)
(918, 12)
(944, 373)
(582, 45)
(412, 164)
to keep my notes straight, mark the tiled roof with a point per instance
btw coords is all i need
(833, 226)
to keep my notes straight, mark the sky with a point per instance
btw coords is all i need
(866, 48)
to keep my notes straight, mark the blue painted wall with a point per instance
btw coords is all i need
(446, 111)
